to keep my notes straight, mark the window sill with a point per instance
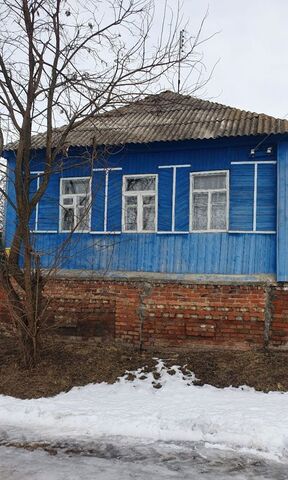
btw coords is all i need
(209, 231)
(75, 231)
(44, 231)
(266, 232)
(134, 232)
(162, 232)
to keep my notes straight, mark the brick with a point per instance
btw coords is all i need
(170, 313)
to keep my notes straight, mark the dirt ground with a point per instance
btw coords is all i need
(64, 365)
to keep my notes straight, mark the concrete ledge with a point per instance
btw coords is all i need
(167, 277)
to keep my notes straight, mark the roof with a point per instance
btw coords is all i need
(167, 116)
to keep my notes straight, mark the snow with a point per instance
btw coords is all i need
(159, 461)
(237, 419)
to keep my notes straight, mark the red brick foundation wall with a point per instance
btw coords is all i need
(205, 315)
(169, 313)
(279, 313)
(82, 308)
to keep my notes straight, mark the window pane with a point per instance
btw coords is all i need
(218, 198)
(149, 200)
(75, 186)
(200, 217)
(140, 184)
(209, 182)
(131, 218)
(68, 201)
(149, 218)
(200, 199)
(82, 219)
(131, 200)
(83, 201)
(68, 219)
(218, 216)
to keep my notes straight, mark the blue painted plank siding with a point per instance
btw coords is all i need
(241, 197)
(114, 192)
(215, 253)
(164, 199)
(223, 253)
(267, 198)
(97, 217)
(182, 200)
(282, 213)
(33, 190)
(10, 217)
(48, 210)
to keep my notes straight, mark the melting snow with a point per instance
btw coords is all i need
(231, 418)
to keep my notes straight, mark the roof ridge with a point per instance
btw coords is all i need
(166, 116)
(200, 100)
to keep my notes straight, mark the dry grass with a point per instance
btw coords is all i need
(64, 365)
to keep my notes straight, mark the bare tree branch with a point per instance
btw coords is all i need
(63, 61)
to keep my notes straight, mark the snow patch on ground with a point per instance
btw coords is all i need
(160, 460)
(232, 418)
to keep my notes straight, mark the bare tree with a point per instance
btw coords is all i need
(63, 62)
(2, 202)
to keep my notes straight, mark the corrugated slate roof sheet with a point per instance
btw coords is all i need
(168, 116)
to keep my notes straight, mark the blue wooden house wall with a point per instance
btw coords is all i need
(248, 247)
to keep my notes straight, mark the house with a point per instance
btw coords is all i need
(188, 199)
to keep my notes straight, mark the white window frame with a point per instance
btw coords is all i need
(209, 172)
(61, 206)
(139, 193)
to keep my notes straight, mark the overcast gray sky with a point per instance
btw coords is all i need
(252, 46)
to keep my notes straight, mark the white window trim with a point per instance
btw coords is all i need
(140, 193)
(209, 172)
(252, 162)
(76, 195)
(258, 232)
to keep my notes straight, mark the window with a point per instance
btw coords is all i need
(139, 202)
(209, 201)
(75, 204)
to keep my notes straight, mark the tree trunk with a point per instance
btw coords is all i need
(26, 304)
(29, 348)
